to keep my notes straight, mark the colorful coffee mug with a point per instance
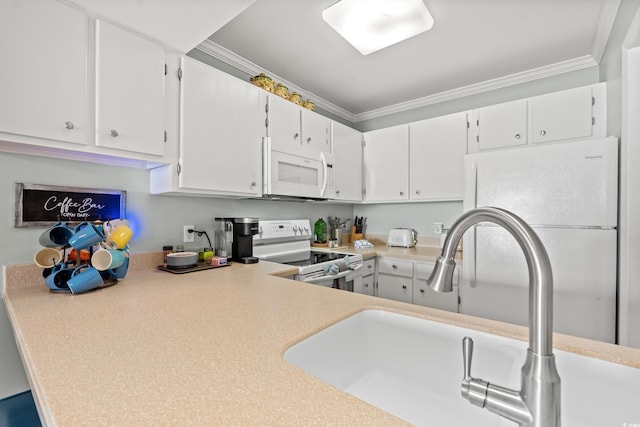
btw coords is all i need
(85, 235)
(106, 259)
(47, 257)
(84, 278)
(56, 236)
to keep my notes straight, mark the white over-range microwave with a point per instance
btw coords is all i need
(296, 174)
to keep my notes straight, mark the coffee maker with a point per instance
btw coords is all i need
(242, 242)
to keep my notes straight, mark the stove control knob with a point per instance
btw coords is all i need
(295, 229)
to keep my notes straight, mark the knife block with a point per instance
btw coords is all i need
(355, 236)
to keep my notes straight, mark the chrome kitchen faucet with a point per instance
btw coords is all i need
(538, 401)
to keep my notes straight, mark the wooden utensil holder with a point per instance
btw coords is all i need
(355, 236)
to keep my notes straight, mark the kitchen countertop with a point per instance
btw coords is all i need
(202, 348)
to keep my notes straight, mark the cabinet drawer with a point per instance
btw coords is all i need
(395, 287)
(369, 267)
(395, 266)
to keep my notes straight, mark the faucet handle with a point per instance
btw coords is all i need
(472, 389)
(467, 354)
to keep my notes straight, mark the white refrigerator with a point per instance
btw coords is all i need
(568, 193)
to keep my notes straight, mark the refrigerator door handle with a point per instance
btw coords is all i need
(469, 258)
(469, 240)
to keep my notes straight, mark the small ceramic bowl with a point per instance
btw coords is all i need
(182, 259)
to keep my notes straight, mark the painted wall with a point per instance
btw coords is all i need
(157, 221)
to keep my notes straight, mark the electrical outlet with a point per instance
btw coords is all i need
(188, 237)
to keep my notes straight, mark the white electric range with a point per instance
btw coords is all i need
(289, 242)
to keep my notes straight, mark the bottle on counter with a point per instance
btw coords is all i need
(320, 231)
(166, 250)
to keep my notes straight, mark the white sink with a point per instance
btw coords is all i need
(412, 368)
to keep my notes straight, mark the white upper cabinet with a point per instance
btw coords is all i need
(437, 150)
(316, 131)
(129, 91)
(43, 78)
(569, 114)
(295, 129)
(347, 148)
(563, 115)
(386, 164)
(221, 130)
(502, 125)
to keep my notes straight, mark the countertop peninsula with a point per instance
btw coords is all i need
(204, 348)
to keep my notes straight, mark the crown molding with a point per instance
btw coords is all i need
(486, 86)
(225, 55)
(215, 50)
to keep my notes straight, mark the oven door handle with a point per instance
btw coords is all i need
(331, 276)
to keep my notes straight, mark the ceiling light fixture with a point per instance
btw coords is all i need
(370, 25)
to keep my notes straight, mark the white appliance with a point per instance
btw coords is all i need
(568, 193)
(402, 237)
(289, 242)
(296, 173)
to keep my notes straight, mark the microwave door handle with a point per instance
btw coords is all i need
(325, 171)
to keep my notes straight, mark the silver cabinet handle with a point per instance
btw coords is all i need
(366, 285)
(113, 133)
(404, 286)
(68, 125)
(422, 291)
(309, 140)
(417, 191)
(253, 184)
(394, 266)
(517, 136)
(369, 267)
(296, 135)
(402, 193)
(337, 192)
(543, 132)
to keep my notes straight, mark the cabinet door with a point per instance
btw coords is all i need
(367, 285)
(284, 124)
(425, 296)
(347, 149)
(386, 164)
(563, 115)
(43, 78)
(438, 147)
(502, 125)
(315, 131)
(129, 91)
(221, 131)
(395, 287)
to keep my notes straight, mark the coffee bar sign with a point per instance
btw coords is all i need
(43, 205)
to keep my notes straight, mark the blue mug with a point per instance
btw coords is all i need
(85, 235)
(58, 277)
(56, 236)
(84, 278)
(120, 272)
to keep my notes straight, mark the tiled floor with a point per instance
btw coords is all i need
(19, 411)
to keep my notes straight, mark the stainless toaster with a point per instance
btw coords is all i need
(403, 237)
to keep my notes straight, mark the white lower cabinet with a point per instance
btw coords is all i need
(395, 279)
(406, 281)
(368, 277)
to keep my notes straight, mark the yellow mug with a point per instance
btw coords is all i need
(119, 237)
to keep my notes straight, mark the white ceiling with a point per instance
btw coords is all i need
(473, 46)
